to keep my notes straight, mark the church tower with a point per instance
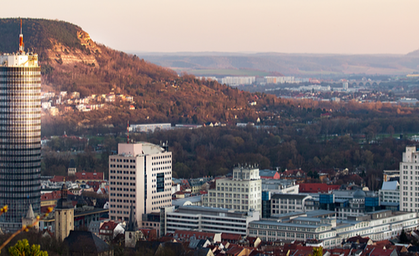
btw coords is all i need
(64, 216)
(132, 234)
(30, 218)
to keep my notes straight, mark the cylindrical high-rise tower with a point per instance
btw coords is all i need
(20, 137)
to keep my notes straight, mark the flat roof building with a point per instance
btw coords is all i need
(210, 219)
(242, 192)
(322, 226)
(140, 174)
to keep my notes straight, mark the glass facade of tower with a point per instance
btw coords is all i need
(20, 143)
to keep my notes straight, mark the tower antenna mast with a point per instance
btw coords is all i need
(21, 44)
(128, 132)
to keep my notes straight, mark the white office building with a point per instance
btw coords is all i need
(149, 127)
(140, 174)
(409, 179)
(322, 225)
(209, 219)
(286, 203)
(242, 192)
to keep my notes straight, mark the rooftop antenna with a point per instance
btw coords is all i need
(21, 44)
(128, 132)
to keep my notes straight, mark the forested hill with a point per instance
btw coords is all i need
(71, 61)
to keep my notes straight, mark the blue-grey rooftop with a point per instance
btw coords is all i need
(390, 185)
(182, 201)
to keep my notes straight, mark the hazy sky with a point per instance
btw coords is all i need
(289, 26)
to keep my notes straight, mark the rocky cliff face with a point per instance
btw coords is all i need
(60, 54)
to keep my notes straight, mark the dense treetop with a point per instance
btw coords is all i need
(37, 34)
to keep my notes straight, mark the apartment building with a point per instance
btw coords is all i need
(241, 192)
(140, 174)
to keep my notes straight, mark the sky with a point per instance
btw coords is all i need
(286, 26)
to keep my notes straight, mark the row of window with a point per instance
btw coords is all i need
(162, 201)
(122, 195)
(123, 201)
(20, 79)
(118, 160)
(21, 72)
(29, 92)
(161, 168)
(235, 207)
(123, 189)
(122, 172)
(122, 166)
(21, 165)
(160, 157)
(121, 178)
(161, 162)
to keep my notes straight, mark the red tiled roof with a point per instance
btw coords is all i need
(108, 225)
(187, 234)
(383, 243)
(381, 252)
(44, 209)
(317, 187)
(358, 239)
(234, 250)
(54, 195)
(303, 251)
(293, 173)
(89, 175)
(95, 184)
(58, 178)
(338, 251)
(226, 236)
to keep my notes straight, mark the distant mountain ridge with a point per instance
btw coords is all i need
(289, 64)
(413, 54)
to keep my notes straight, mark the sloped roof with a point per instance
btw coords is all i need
(267, 173)
(58, 178)
(317, 187)
(358, 239)
(196, 234)
(109, 225)
(293, 172)
(390, 185)
(85, 242)
(226, 236)
(29, 213)
(235, 250)
(89, 175)
(381, 252)
(53, 195)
